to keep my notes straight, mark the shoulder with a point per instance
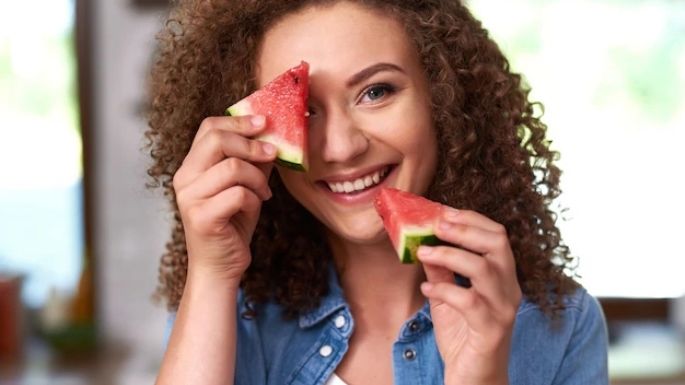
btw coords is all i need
(582, 313)
(264, 318)
(577, 305)
(573, 341)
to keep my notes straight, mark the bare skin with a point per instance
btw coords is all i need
(380, 301)
(219, 188)
(365, 117)
(351, 129)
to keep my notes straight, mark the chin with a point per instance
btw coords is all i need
(372, 232)
(367, 238)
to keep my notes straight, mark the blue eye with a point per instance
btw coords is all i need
(376, 92)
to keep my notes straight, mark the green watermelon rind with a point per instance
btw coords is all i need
(411, 238)
(287, 156)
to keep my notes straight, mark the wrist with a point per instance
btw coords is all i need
(214, 278)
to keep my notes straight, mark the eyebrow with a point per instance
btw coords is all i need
(370, 71)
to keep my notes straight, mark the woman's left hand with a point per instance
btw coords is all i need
(472, 326)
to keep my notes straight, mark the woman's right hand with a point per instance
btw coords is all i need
(219, 191)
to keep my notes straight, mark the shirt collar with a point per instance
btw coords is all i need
(426, 310)
(330, 303)
(335, 300)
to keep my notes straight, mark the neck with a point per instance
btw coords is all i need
(375, 283)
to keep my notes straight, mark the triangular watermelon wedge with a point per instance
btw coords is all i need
(409, 220)
(283, 102)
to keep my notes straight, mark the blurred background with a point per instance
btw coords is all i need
(80, 236)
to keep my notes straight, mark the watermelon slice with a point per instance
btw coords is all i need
(409, 221)
(283, 102)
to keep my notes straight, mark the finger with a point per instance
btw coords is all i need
(266, 169)
(234, 201)
(496, 286)
(461, 261)
(214, 214)
(498, 243)
(487, 243)
(223, 175)
(467, 302)
(436, 273)
(471, 218)
(247, 125)
(216, 146)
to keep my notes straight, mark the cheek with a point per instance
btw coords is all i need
(425, 140)
(411, 132)
(300, 188)
(293, 181)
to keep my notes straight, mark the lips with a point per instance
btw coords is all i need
(357, 184)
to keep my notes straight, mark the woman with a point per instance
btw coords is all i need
(276, 279)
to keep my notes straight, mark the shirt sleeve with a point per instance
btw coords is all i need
(585, 359)
(171, 318)
(250, 368)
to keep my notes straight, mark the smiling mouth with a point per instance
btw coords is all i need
(357, 185)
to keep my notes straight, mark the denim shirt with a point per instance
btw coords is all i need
(307, 350)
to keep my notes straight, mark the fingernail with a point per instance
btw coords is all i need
(426, 286)
(423, 251)
(451, 214)
(269, 194)
(445, 225)
(258, 120)
(269, 148)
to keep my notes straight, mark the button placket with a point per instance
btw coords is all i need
(414, 326)
(340, 321)
(412, 329)
(409, 354)
(325, 351)
(325, 354)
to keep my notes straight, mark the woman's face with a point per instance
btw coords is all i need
(370, 122)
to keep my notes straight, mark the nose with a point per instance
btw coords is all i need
(341, 140)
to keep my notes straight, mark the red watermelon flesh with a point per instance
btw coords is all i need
(283, 102)
(409, 220)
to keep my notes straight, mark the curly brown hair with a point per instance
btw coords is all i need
(493, 154)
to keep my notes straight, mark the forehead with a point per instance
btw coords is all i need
(336, 40)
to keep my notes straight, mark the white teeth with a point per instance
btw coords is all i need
(358, 184)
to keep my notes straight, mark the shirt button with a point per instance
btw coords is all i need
(339, 321)
(413, 326)
(409, 354)
(326, 350)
